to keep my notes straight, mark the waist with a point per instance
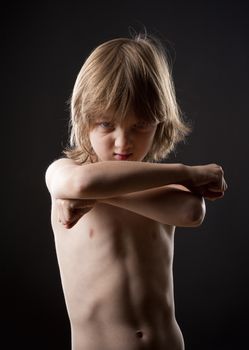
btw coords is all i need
(121, 302)
(97, 335)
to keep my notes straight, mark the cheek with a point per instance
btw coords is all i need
(144, 143)
(148, 139)
(94, 140)
(100, 141)
(91, 138)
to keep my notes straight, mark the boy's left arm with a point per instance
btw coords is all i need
(172, 204)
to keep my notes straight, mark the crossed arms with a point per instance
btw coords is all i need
(172, 194)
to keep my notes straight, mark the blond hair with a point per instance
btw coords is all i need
(121, 75)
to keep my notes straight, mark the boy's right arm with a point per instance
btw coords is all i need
(67, 180)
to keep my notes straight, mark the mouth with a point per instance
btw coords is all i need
(122, 156)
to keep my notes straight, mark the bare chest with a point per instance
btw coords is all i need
(106, 226)
(108, 252)
(109, 241)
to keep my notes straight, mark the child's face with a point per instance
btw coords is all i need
(129, 140)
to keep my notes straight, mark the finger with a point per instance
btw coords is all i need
(76, 218)
(75, 214)
(68, 211)
(214, 195)
(89, 203)
(216, 187)
(60, 213)
(224, 185)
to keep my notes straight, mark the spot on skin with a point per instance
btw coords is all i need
(139, 334)
(91, 233)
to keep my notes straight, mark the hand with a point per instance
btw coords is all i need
(208, 181)
(207, 194)
(71, 210)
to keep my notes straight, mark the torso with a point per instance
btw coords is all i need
(116, 271)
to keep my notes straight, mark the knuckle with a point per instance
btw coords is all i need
(71, 205)
(58, 201)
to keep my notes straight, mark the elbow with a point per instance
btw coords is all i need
(67, 180)
(197, 212)
(71, 186)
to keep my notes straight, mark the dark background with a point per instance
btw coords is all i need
(44, 46)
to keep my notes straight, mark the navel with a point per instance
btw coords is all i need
(139, 334)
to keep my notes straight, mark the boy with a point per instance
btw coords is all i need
(114, 211)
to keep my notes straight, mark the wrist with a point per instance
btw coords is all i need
(187, 175)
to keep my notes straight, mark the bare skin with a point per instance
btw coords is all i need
(117, 280)
(114, 223)
(115, 248)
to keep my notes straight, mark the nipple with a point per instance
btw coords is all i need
(139, 334)
(91, 233)
(154, 236)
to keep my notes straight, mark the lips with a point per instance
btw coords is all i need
(122, 156)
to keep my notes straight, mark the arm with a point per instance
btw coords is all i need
(173, 205)
(67, 180)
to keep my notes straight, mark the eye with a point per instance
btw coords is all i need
(143, 126)
(106, 125)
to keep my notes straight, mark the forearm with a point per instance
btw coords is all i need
(164, 205)
(109, 179)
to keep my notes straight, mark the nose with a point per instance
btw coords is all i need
(123, 139)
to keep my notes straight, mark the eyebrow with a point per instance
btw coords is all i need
(101, 117)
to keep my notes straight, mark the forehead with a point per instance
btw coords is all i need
(118, 117)
(129, 117)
